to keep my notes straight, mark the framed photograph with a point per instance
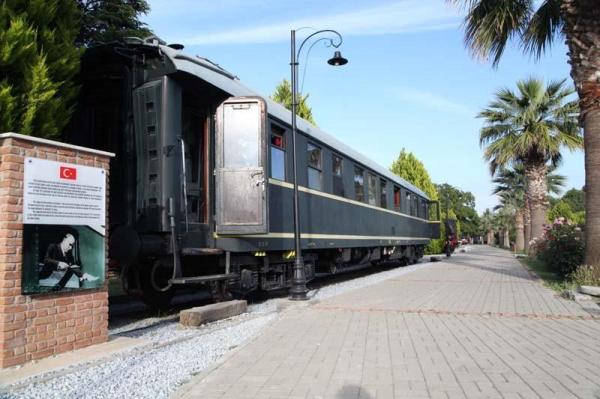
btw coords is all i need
(61, 258)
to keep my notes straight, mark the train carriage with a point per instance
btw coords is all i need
(201, 189)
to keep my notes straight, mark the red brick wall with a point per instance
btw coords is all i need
(36, 326)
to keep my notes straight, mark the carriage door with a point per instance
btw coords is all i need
(241, 198)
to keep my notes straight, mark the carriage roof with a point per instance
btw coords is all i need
(222, 79)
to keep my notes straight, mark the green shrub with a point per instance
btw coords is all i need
(434, 247)
(562, 249)
(586, 275)
(560, 210)
(579, 218)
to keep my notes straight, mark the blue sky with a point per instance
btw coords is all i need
(410, 82)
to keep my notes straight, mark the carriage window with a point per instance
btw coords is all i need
(359, 183)
(314, 166)
(423, 209)
(336, 171)
(416, 205)
(383, 193)
(277, 154)
(397, 198)
(413, 205)
(408, 203)
(372, 185)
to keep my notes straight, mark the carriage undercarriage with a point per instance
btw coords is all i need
(152, 279)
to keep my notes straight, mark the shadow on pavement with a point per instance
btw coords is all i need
(352, 391)
(519, 272)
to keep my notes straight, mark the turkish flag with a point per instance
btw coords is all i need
(68, 173)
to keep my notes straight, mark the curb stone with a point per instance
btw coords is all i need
(589, 290)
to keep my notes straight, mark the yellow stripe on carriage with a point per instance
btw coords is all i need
(342, 199)
(320, 236)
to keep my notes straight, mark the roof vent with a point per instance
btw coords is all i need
(176, 46)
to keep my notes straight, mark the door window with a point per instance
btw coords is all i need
(241, 136)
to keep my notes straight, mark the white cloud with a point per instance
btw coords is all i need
(399, 17)
(433, 101)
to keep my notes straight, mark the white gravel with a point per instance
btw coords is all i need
(153, 372)
(173, 354)
(134, 324)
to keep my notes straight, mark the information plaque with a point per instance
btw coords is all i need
(64, 212)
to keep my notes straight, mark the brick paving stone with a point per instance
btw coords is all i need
(475, 326)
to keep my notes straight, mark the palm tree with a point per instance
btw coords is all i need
(489, 25)
(497, 228)
(530, 128)
(512, 203)
(487, 224)
(506, 218)
(510, 186)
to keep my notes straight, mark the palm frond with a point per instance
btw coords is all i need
(490, 24)
(532, 125)
(554, 182)
(543, 28)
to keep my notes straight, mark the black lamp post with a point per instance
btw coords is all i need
(299, 290)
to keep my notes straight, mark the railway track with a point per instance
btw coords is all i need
(126, 310)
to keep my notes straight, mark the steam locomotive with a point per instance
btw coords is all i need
(201, 190)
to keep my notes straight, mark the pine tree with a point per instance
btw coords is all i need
(283, 96)
(412, 170)
(104, 21)
(38, 60)
(408, 167)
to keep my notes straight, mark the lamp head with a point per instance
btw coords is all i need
(337, 59)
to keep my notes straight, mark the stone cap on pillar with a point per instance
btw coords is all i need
(39, 140)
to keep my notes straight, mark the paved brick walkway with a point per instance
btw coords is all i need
(476, 326)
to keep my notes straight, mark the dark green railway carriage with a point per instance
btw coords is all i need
(201, 189)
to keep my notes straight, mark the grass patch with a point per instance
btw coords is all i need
(551, 280)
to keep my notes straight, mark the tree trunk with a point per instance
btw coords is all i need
(506, 239)
(582, 32)
(536, 192)
(526, 225)
(592, 188)
(520, 239)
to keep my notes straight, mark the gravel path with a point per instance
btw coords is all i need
(173, 355)
(154, 371)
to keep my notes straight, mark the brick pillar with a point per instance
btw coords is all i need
(37, 326)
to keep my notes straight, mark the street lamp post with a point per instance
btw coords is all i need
(299, 290)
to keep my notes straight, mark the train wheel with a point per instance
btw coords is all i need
(413, 258)
(156, 291)
(333, 268)
(219, 290)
